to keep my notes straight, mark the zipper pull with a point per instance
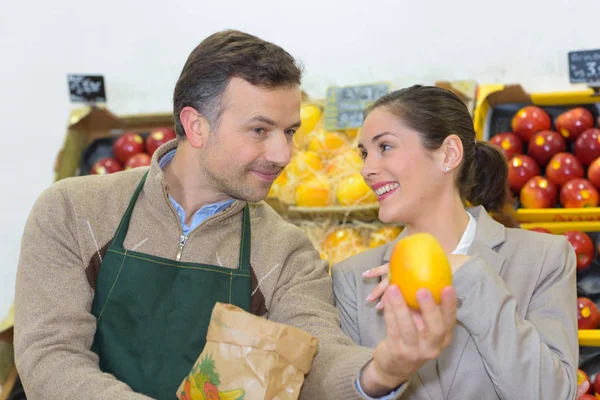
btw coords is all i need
(182, 241)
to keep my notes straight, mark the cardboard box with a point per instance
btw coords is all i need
(89, 124)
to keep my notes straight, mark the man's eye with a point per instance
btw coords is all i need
(259, 131)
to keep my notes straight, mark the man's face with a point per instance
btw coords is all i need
(252, 142)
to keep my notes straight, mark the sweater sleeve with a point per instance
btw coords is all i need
(54, 326)
(304, 298)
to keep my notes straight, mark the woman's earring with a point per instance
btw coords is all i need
(447, 169)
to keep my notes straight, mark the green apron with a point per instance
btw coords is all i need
(153, 313)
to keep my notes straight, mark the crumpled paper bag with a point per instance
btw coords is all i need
(249, 358)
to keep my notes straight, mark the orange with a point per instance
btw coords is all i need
(384, 235)
(310, 115)
(278, 184)
(353, 191)
(314, 192)
(418, 261)
(342, 237)
(327, 144)
(346, 163)
(304, 164)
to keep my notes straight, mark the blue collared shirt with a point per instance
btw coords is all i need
(202, 214)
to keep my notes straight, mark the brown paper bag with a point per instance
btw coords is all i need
(249, 358)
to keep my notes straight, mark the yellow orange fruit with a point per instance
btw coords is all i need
(342, 237)
(314, 192)
(346, 163)
(353, 191)
(304, 164)
(418, 261)
(327, 144)
(278, 184)
(383, 236)
(310, 115)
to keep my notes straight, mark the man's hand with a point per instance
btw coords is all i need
(412, 339)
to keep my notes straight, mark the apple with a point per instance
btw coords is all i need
(587, 396)
(541, 230)
(593, 173)
(544, 145)
(587, 314)
(105, 166)
(538, 192)
(127, 146)
(563, 167)
(582, 377)
(508, 143)
(157, 138)
(578, 193)
(521, 168)
(138, 160)
(574, 122)
(583, 246)
(587, 146)
(596, 385)
(529, 120)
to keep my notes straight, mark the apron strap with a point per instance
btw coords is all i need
(244, 264)
(124, 224)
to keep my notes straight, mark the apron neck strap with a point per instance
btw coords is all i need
(124, 225)
(244, 264)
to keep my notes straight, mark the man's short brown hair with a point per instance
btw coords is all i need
(225, 55)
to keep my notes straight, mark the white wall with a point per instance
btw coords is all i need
(140, 47)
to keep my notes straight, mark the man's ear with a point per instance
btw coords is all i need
(196, 126)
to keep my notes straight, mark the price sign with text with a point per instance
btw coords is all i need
(345, 106)
(87, 88)
(584, 66)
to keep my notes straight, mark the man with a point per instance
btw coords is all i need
(118, 274)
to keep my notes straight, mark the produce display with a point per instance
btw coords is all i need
(129, 150)
(552, 162)
(325, 168)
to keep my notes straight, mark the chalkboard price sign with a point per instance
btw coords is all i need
(345, 106)
(584, 66)
(87, 88)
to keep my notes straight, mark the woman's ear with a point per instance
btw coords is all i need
(452, 153)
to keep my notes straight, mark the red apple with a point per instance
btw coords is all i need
(563, 167)
(578, 193)
(138, 160)
(541, 230)
(544, 145)
(529, 120)
(596, 385)
(128, 145)
(593, 173)
(587, 396)
(583, 246)
(574, 122)
(105, 166)
(157, 138)
(538, 192)
(521, 168)
(587, 146)
(587, 314)
(508, 143)
(582, 377)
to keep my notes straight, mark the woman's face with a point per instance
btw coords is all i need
(405, 176)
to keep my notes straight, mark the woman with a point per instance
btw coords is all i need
(516, 325)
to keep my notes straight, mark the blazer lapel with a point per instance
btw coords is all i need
(488, 236)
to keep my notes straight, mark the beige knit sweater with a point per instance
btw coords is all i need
(66, 236)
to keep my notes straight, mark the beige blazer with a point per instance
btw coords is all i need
(516, 335)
